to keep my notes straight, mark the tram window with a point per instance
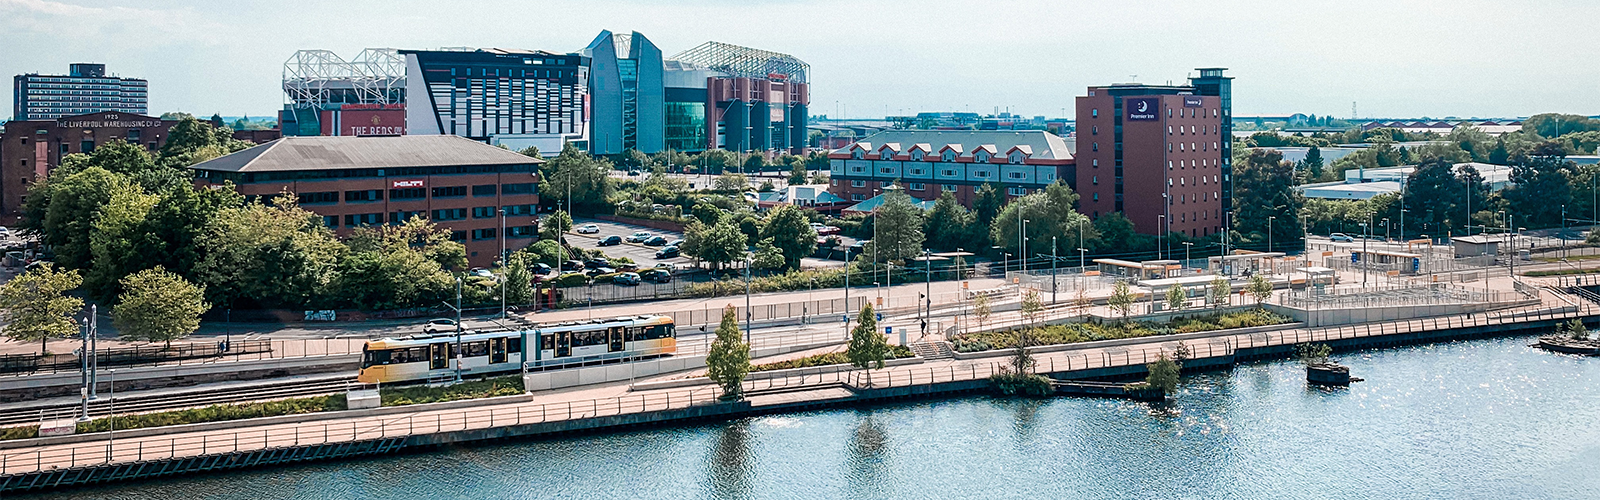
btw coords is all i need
(547, 342)
(514, 344)
(635, 333)
(475, 349)
(672, 331)
(589, 338)
(412, 355)
(378, 357)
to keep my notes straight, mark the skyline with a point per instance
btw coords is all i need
(1033, 60)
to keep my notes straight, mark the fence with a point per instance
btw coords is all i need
(289, 436)
(1399, 295)
(604, 293)
(258, 350)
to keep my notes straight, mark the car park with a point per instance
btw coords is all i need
(572, 265)
(609, 241)
(588, 229)
(438, 325)
(656, 241)
(667, 252)
(639, 237)
(629, 279)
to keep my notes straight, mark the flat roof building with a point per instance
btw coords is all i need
(515, 98)
(29, 149)
(461, 184)
(85, 89)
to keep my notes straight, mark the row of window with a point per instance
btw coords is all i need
(949, 172)
(359, 220)
(1191, 146)
(947, 188)
(1095, 112)
(1015, 158)
(369, 195)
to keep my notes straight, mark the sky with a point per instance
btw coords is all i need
(1393, 58)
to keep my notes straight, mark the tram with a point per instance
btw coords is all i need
(425, 357)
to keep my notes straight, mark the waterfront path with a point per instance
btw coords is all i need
(434, 424)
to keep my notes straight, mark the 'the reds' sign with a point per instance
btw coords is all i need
(413, 183)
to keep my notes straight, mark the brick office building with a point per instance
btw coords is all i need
(31, 148)
(461, 184)
(928, 163)
(1158, 154)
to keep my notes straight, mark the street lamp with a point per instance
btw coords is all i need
(1365, 258)
(1385, 223)
(1161, 241)
(1270, 218)
(1052, 270)
(1187, 246)
(747, 312)
(504, 265)
(1022, 245)
(457, 309)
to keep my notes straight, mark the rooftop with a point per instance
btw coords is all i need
(1040, 144)
(340, 153)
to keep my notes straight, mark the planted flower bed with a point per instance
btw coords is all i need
(832, 358)
(1086, 332)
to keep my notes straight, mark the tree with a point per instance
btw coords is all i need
(35, 305)
(1219, 290)
(519, 279)
(1264, 186)
(119, 241)
(1163, 375)
(1176, 297)
(981, 308)
(731, 183)
(899, 224)
(277, 255)
(1499, 155)
(986, 204)
(1313, 162)
(392, 267)
(531, 152)
(1031, 307)
(1115, 233)
(553, 227)
(1259, 288)
(950, 225)
(1050, 214)
(755, 163)
(718, 244)
(729, 358)
(791, 232)
(797, 174)
(767, 257)
(158, 306)
(1121, 298)
(1313, 354)
(867, 348)
(1539, 188)
(577, 178)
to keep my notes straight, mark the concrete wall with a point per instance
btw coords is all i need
(1331, 317)
(556, 379)
(23, 388)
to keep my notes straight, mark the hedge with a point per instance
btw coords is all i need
(832, 358)
(510, 385)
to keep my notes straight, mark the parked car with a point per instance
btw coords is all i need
(1341, 238)
(482, 273)
(572, 265)
(824, 229)
(439, 325)
(629, 279)
(657, 275)
(4, 232)
(628, 267)
(639, 237)
(667, 252)
(588, 229)
(609, 240)
(596, 262)
(541, 269)
(656, 241)
(596, 271)
(675, 243)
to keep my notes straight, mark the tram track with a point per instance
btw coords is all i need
(177, 400)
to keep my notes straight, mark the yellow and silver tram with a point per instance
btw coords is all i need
(426, 357)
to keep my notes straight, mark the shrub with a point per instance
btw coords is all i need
(218, 413)
(420, 394)
(1084, 332)
(25, 432)
(570, 280)
(825, 359)
(1022, 384)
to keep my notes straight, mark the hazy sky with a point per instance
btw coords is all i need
(1395, 58)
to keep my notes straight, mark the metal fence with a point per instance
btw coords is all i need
(1400, 295)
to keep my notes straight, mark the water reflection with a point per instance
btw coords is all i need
(1024, 420)
(729, 464)
(866, 462)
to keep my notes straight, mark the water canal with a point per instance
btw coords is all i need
(1472, 419)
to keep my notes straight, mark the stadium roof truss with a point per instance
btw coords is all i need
(375, 76)
(746, 62)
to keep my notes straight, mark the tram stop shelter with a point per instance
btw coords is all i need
(1387, 260)
(1139, 271)
(1245, 263)
(1315, 276)
(1476, 245)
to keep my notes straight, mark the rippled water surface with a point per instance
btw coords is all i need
(1477, 419)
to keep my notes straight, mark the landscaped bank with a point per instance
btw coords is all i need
(1085, 332)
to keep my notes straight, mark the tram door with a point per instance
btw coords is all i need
(563, 344)
(438, 356)
(497, 350)
(615, 333)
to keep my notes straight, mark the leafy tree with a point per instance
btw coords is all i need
(1115, 233)
(74, 203)
(192, 141)
(867, 348)
(1259, 288)
(1121, 298)
(797, 174)
(1176, 297)
(1264, 186)
(547, 252)
(982, 309)
(729, 358)
(718, 245)
(791, 232)
(706, 213)
(1313, 162)
(1435, 195)
(35, 305)
(755, 163)
(731, 183)
(179, 220)
(1163, 375)
(715, 161)
(766, 187)
(1219, 290)
(899, 224)
(553, 227)
(1499, 155)
(1539, 189)
(531, 152)
(1313, 354)
(271, 255)
(119, 241)
(579, 179)
(1050, 214)
(391, 267)
(950, 225)
(986, 204)
(158, 306)
(1031, 307)
(767, 256)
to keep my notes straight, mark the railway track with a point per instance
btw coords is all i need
(195, 397)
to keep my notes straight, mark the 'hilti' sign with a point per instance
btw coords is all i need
(408, 184)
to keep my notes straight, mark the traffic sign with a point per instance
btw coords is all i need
(888, 330)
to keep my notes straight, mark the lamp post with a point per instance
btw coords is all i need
(1187, 246)
(747, 312)
(1052, 270)
(1022, 244)
(457, 308)
(111, 435)
(1270, 218)
(1161, 241)
(504, 265)
(927, 265)
(1365, 259)
(847, 293)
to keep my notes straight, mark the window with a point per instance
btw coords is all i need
(981, 174)
(133, 136)
(857, 197)
(1095, 180)
(449, 191)
(949, 172)
(1169, 130)
(485, 190)
(886, 170)
(949, 156)
(86, 147)
(408, 194)
(916, 155)
(885, 184)
(512, 210)
(948, 188)
(450, 214)
(522, 188)
(916, 186)
(858, 184)
(886, 155)
(483, 212)
(1169, 112)
(1016, 175)
(981, 157)
(833, 182)
(458, 236)
(363, 219)
(330, 220)
(322, 197)
(1094, 113)
(522, 231)
(856, 154)
(916, 171)
(484, 234)
(1016, 158)
(366, 195)
(1095, 163)
(1094, 130)
(1094, 146)
(1096, 197)
(401, 216)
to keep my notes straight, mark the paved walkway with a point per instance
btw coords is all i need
(616, 398)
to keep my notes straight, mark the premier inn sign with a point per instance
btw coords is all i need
(1143, 108)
